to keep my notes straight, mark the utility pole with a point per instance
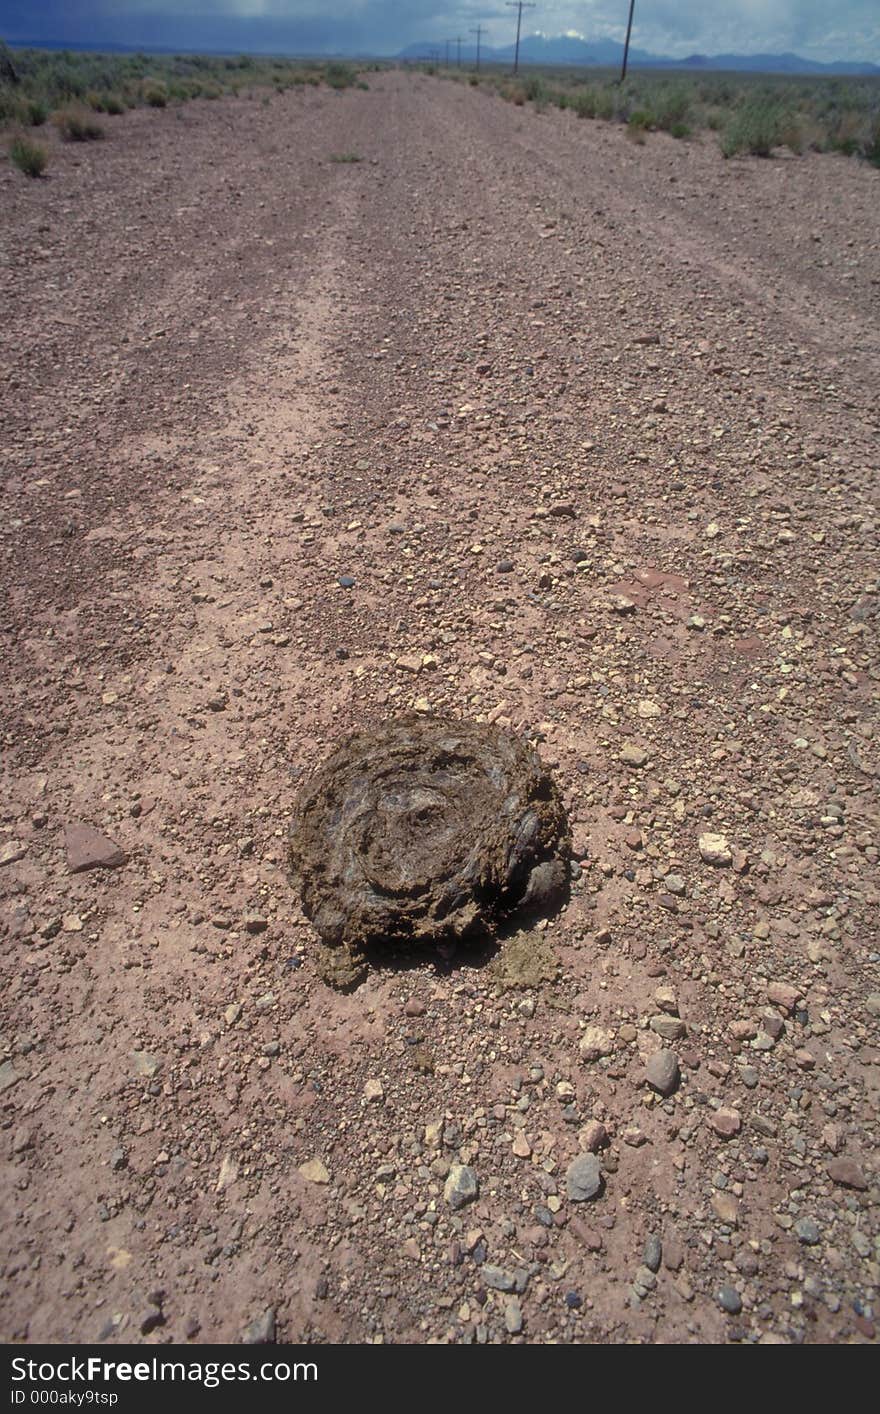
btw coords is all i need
(519, 6)
(629, 25)
(458, 54)
(446, 60)
(478, 31)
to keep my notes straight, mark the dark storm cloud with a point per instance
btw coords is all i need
(849, 28)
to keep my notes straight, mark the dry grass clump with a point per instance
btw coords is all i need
(29, 157)
(77, 124)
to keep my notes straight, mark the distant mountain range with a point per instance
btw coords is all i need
(264, 39)
(607, 53)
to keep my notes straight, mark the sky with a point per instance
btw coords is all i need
(815, 29)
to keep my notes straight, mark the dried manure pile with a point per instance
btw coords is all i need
(425, 831)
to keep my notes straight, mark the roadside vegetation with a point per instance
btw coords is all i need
(75, 91)
(750, 113)
(29, 157)
(38, 84)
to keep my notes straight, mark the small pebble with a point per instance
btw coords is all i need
(730, 1300)
(583, 1178)
(807, 1231)
(653, 1253)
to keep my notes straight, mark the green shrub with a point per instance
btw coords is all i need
(340, 75)
(37, 112)
(673, 108)
(871, 149)
(155, 95)
(584, 103)
(105, 102)
(345, 157)
(77, 125)
(641, 120)
(29, 157)
(791, 132)
(11, 108)
(535, 90)
(755, 128)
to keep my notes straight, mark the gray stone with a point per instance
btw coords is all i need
(644, 1282)
(583, 1178)
(87, 848)
(730, 1300)
(763, 1042)
(461, 1187)
(513, 1316)
(143, 1063)
(8, 1076)
(807, 1231)
(150, 1319)
(662, 1072)
(12, 851)
(653, 1253)
(261, 1330)
(862, 1244)
(668, 1028)
(497, 1278)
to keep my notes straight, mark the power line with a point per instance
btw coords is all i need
(519, 6)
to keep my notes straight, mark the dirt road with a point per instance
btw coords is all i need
(592, 427)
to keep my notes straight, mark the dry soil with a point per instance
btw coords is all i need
(514, 419)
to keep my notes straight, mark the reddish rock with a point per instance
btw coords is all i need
(673, 1252)
(726, 1123)
(847, 1173)
(591, 1239)
(593, 1136)
(783, 995)
(87, 848)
